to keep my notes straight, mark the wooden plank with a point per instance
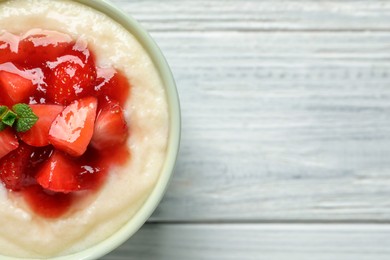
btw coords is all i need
(320, 242)
(255, 15)
(278, 124)
(270, 133)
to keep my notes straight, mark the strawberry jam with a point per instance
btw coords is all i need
(81, 130)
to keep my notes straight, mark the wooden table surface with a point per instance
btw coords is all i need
(285, 150)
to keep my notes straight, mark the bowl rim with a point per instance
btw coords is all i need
(145, 211)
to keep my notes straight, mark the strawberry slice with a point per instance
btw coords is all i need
(59, 174)
(70, 79)
(8, 47)
(41, 46)
(110, 127)
(72, 130)
(72, 76)
(15, 87)
(8, 142)
(13, 167)
(38, 135)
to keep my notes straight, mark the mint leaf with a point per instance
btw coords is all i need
(25, 124)
(26, 117)
(9, 118)
(22, 117)
(2, 126)
(3, 109)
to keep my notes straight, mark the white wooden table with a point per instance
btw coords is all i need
(286, 130)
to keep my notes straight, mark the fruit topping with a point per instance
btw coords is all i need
(14, 166)
(8, 142)
(62, 123)
(90, 177)
(59, 174)
(73, 76)
(38, 46)
(72, 129)
(112, 84)
(38, 135)
(8, 47)
(15, 87)
(110, 126)
(40, 155)
(46, 203)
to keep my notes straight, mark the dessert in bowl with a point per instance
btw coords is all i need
(103, 134)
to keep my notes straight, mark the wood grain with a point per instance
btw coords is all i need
(281, 134)
(257, 16)
(320, 242)
(287, 121)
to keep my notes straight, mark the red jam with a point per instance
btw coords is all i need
(81, 131)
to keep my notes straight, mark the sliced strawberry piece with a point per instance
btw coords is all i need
(59, 174)
(112, 84)
(14, 166)
(70, 79)
(39, 46)
(15, 87)
(8, 47)
(110, 126)
(38, 135)
(72, 130)
(72, 76)
(8, 142)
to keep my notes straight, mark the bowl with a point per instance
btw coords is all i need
(135, 223)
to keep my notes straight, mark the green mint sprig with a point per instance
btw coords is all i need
(21, 117)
